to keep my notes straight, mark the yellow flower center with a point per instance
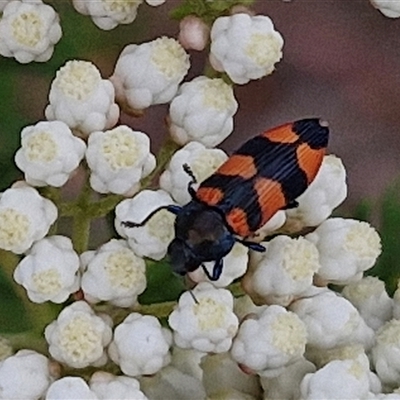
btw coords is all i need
(47, 282)
(14, 228)
(41, 148)
(27, 29)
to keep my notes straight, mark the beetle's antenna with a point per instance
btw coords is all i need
(171, 208)
(193, 296)
(188, 170)
(251, 245)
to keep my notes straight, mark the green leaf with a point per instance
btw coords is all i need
(13, 316)
(387, 267)
(162, 284)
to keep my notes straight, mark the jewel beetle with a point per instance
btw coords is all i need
(265, 175)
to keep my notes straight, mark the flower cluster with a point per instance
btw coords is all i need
(283, 334)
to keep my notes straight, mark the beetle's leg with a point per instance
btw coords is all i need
(291, 204)
(217, 270)
(251, 245)
(192, 181)
(171, 208)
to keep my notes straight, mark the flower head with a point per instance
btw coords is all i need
(140, 345)
(284, 271)
(347, 248)
(269, 341)
(193, 33)
(203, 162)
(389, 8)
(29, 30)
(107, 14)
(152, 239)
(50, 270)
(118, 159)
(49, 153)
(202, 111)
(25, 217)
(82, 99)
(78, 336)
(206, 324)
(70, 387)
(245, 47)
(113, 273)
(25, 375)
(150, 73)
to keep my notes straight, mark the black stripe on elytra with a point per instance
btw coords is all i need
(312, 133)
(238, 193)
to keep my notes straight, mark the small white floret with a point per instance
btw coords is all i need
(49, 272)
(113, 273)
(203, 163)
(140, 345)
(389, 8)
(204, 319)
(150, 73)
(107, 386)
(202, 111)
(245, 47)
(109, 13)
(269, 341)
(70, 387)
(325, 193)
(25, 375)
(385, 353)
(347, 248)
(49, 153)
(25, 217)
(284, 271)
(332, 321)
(29, 30)
(78, 337)
(82, 99)
(370, 298)
(339, 379)
(193, 33)
(152, 239)
(118, 160)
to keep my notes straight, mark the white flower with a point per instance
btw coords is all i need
(107, 14)
(396, 302)
(82, 99)
(324, 194)
(113, 273)
(50, 270)
(172, 383)
(155, 3)
(339, 379)
(235, 265)
(70, 387)
(389, 8)
(25, 375)
(285, 270)
(221, 375)
(204, 319)
(150, 73)
(3, 4)
(385, 353)
(332, 321)
(245, 47)
(286, 385)
(152, 239)
(269, 341)
(203, 162)
(347, 248)
(118, 159)
(49, 153)
(370, 298)
(193, 33)
(107, 386)
(25, 217)
(29, 30)
(140, 345)
(202, 111)
(78, 337)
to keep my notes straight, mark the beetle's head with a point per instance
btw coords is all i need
(181, 256)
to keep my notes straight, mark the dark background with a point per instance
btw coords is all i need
(341, 61)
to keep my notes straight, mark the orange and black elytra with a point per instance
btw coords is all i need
(265, 175)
